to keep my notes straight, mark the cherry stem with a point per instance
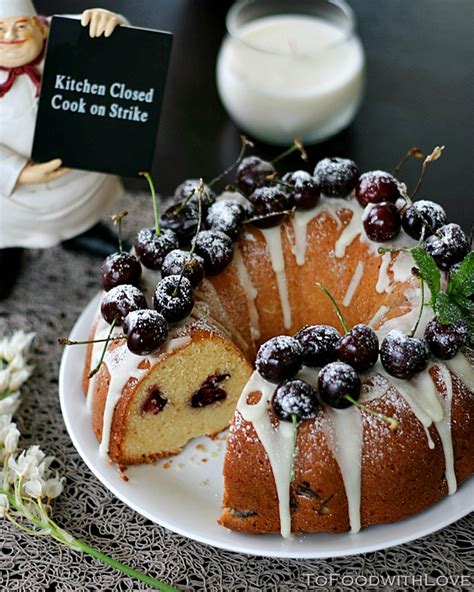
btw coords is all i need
(69, 342)
(297, 145)
(102, 356)
(154, 201)
(417, 273)
(294, 421)
(382, 250)
(267, 216)
(336, 306)
(117, 220)
(391, 421)
(201, 190)
(245, 143)
(412, 153)
(437, 152)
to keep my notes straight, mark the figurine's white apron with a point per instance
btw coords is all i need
(40, 216)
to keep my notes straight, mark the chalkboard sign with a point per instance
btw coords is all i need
(101, 98)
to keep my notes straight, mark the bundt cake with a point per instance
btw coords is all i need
(301, 455)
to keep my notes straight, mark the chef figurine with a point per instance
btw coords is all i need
(42, 204)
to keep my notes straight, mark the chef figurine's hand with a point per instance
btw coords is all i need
(34, 174)
(100, 21)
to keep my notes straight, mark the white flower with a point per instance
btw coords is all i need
(4, 379)
(18, 377)
(4, 505)
(18, 343)
(27, 464)
(33, 487)
(10, 404)
(11, 439)
(53, 487)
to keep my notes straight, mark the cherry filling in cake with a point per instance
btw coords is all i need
(350, 403)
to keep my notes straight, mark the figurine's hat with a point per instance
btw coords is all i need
(16, 8)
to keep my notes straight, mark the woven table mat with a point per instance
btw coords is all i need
(54, 288)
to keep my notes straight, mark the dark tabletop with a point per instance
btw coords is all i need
(420, 92)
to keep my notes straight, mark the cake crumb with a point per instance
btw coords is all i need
(166, 465)
(200, 447)
(204, 460)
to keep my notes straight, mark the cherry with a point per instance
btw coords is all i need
(445, 341)
(120, 301)
(305, 194)
(215, 248)
(182, 219)
(359, 348)
(382, 222)
(269, 203)
(295, 398)
(179, 262)
(376, 187)
(120, 268)
(403, 356)
(336, 381)
(147, 331)
(252, 172)
(226, 216)
(319, 344)
(414, 224)
(151, 248)
(209, 392)
(174, 298)
(189, 191)
(279, 358)
(448, 246)
(336, 177)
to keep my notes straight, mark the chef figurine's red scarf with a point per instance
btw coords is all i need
(29, 69)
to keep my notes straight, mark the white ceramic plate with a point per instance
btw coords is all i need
(184, 493)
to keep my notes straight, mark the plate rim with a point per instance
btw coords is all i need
(352, 548)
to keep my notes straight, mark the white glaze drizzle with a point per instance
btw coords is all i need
(381, 312)
(300, 222)
(250, 293)
(383, 281)
(461, 367)
(275, 250)
(343, 429)
(444, 429)
(124, 365)
(278, 443)
(354, 284)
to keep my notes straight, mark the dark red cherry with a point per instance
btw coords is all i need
(403, 356)
(226, 216)
(359, 348)
(189, 192)
(151, 248)
(382, 222)
(147, 331)
(319, 344)
(279, 358)
(305, 194)
(445, 341)
(120, 268)
(269, 202)
(216, 249)
(336, 177)
(182, 219)
(376, 187)
(448, 246)
(174, 298)
(295, 398)
(252, 172)
(179, 262)
(120, 301)
(423, 217)
(335, 382)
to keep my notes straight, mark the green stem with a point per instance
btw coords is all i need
(107, 339)
(6, 393)
(122, 567)
(297, 145)
(244, 144)
(155, 202)
(102, 356)
(267, 216)
(392, 422)
(413, 152)
(336, 306)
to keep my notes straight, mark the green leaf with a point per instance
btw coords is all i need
(429, 271)
(446, 309)
(462, 282)
(463, 302)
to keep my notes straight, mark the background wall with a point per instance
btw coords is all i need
(420, 91)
